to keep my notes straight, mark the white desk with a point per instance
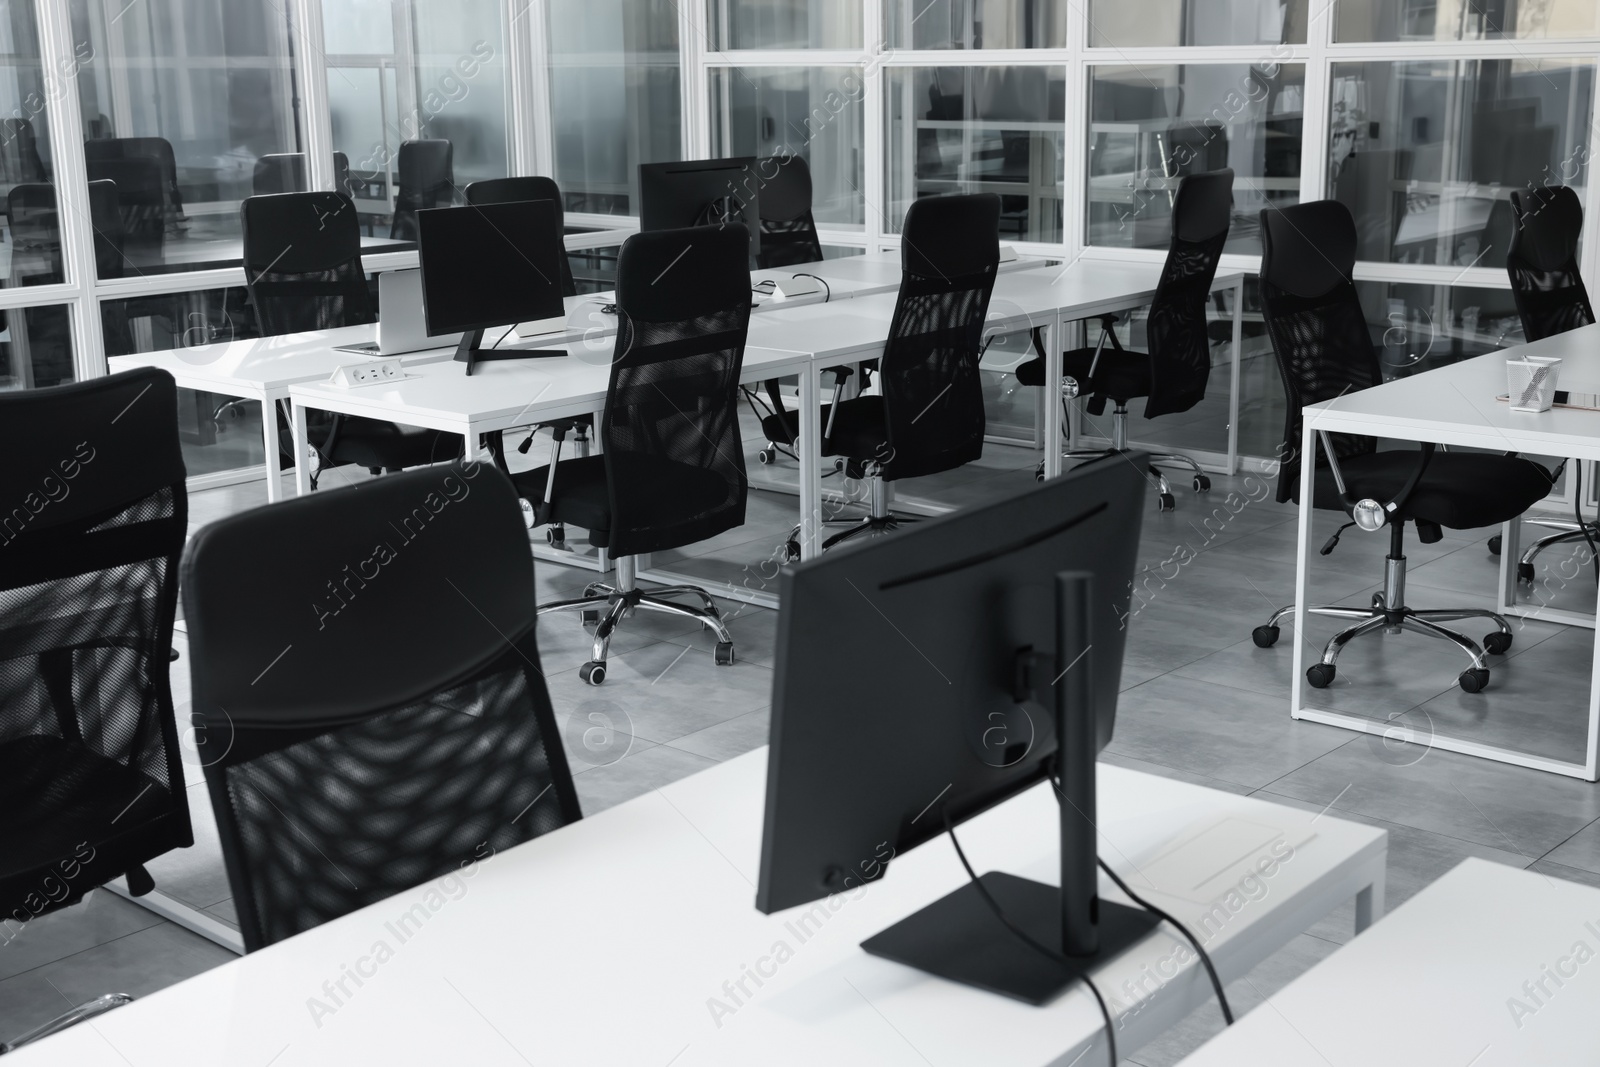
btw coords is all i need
(1456, 405)
(603, 942)
(1438, 981)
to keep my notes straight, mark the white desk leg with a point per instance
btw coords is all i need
(1510, 552)
(269, 438)
(302, 450)
(1233, 387)
(810, 462)
(470, 449)
(1052, 398)
(1591, 755)
(1369, 901)
(1302, 583)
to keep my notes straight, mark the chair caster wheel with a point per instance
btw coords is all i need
(1377, 601)
(767, 456)
(1165, 502)
(1202, 484)
(592, 673)
(1038, 472)
(1497, 643)
(1264, 636)
(724, 654)
(1473, 679)
(1320, 675)
(557, 538)
(591, 615)
(1494, 545)
(1525, 572)
(791, 551)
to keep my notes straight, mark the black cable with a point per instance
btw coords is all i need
(770, 284)
(1205, 959)
(828, 293)
(1577, 509)
(503, 336)
(1039, 946)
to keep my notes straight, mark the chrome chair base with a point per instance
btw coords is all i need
(607, 605)
(879, 519)
(1119, 444)
(88, 1010)
(1390, 614)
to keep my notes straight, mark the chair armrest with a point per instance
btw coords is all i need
(1369, 514)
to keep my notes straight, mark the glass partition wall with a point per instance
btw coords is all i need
(1420, 115)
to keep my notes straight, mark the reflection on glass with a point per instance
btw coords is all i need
(30, 247)
(181, 99)
(786, 23)
(1463, 20)
(614, 98)
(976, 24)
(1156, 23)
(1149, 126)
(1425, 154)
(980, 130)
(816, 113)
(35, 347)
(444, 80)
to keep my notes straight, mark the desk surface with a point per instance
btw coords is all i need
(1440, 981)
(606, 941)
(1456, 405)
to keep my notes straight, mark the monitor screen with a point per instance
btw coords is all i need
(701, 192)
(489, 265)
(897, 677)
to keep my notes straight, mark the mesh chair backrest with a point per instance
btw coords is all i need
(93, 515)
(1314, 318)
(674, 457)
(788, 231)
(425, 177)
(35, 235)
(19, 152)
(350, 758)
(139, 195)
(1180, 346)
(280, 172)
(302, 262)
(1543, 262)
(157, 150)
(105, 216)
(530, 187)
(932, 396)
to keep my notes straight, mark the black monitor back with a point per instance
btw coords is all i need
(489, 265)
(895, 682)
(701, 192)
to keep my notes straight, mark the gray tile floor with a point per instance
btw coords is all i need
(1200, 702)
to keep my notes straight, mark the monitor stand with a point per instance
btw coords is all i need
(470, 352)
(959, 937)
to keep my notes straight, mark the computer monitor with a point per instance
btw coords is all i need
(486, 266)
(701, 192)
(929, 675)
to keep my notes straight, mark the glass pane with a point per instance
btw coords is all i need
(1149, 126)
(1463, 20)
(31, 250)
(976, 24)
(980, 130)
(1156, 23)
(816, 113)
(35, 347)
(1424, 154)
(180, 99)
(787, 23)
(614, 98)
(217, 432)
(445, 81)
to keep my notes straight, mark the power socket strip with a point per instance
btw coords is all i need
(374, 372)
(791, 288)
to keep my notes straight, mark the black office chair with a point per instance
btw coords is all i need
(671, 470)
(19, 152)
(93, 515)
(279, 172)
(788, 232)
(1324, 349)
(425, 177)
(1174, 374)
(929, 417)
(302, 264)
(1542, 262)
(158, 150)
(356, 758)
(35, 235)
(529, 187)
(141, 201)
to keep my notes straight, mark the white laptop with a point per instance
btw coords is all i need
(401, 327)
